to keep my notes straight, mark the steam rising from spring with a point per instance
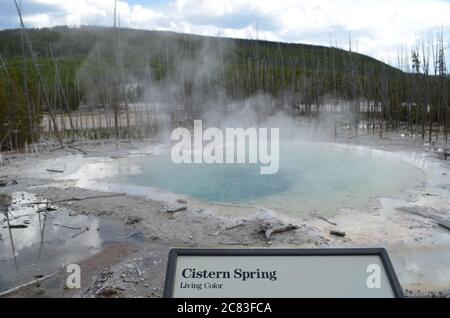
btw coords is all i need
(177, 79)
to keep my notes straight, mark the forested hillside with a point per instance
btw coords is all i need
(108, 68)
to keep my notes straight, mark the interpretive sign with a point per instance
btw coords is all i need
(281, 273)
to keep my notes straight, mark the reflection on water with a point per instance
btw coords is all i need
(40, 239)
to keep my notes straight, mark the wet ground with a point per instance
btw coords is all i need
(38, 239)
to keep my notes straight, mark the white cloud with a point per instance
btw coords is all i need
(37, 19)
(377, 27)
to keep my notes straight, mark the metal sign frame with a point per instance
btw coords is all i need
(380, 252)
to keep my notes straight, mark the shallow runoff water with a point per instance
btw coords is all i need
(312, 177)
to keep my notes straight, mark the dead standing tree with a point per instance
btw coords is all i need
(30, 105)
(115, 94)
(39, 75)
(59, 85)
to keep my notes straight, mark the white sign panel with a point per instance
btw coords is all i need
(315, 273)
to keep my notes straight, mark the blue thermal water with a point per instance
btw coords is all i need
(310, 175)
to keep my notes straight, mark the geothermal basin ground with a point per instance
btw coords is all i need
(117, 211)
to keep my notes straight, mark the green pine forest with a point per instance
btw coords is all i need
(53, 71)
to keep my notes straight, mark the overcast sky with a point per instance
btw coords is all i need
(377, 27)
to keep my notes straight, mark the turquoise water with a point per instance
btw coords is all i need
(310, 176)
(213, 183)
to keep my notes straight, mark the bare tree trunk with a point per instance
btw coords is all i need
(40, 79)
(64, 96)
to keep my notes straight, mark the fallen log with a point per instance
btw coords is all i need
(20, 226)
(269, 232)
(326, 220)
(7, 183)
(67, 227)
(79, 233)
(46, 209)
(233, 226)
(77, 149)
(80, 199)
(128, 235)
(55, 171)
(93, 197)
(444, 224)
(337, 233)
(176, 209)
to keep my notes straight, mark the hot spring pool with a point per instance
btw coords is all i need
(312, 177)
